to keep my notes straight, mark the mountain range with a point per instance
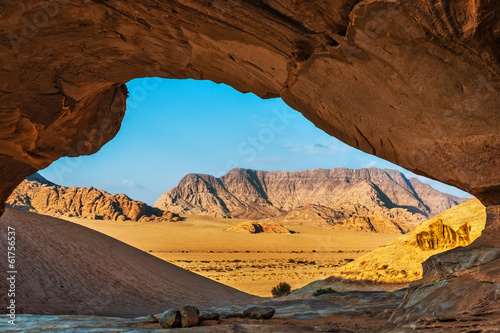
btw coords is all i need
(327, 195)
(37, 194)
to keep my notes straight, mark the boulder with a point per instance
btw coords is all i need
(209, 316)
(259, 312)
(152, 319)
(170, 319)
(190, 316)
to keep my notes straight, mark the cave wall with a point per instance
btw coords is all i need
(414, 82)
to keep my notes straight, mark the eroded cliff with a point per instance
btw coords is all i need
(37, 194)
(337, 194)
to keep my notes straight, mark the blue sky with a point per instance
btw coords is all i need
(175, 127)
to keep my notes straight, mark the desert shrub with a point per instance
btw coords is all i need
(322, 291)
(281, 289)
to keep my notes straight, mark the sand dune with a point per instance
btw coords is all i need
(253, 263)
(65, 268)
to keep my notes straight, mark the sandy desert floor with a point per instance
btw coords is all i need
(253, 263)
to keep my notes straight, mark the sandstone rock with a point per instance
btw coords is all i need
(190, 316)
(170, 319)
(152, 319)
(261, 194)
(36, 194)
(209, 316)
(259, 227)
(345, 217)
(259, 312)
(401, 261)
(441, 236)
(375, 224)
(232, 315)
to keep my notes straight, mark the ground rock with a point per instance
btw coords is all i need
(190, 316)
(259, 312)
(152, 319)
(170, 319)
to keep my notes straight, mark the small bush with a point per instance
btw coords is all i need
(322, 291)
(281, 289)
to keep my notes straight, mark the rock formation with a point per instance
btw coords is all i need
(401, 260)
(36, 194)
(255, 194)
(344, 219)
(259, 227)
(415, 82)
(442, 236)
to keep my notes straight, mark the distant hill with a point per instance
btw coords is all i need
(252, 194)
(37, 194)
(344, 218)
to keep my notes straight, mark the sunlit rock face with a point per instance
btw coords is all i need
(415, 82)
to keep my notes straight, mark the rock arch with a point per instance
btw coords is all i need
(413, 81)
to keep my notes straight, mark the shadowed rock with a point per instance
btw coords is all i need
(190, 316)
(170, 319)
(259, 312)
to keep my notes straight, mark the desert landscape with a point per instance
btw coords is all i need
(252, 263)
(299, 198)
(364, 262)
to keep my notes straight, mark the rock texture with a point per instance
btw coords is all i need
(190, 316)
(442, 236)
(36, 194)
(170, 319)
(255, 194)
(259, 227)
(459, 289)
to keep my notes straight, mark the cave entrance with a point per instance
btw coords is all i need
(245, 147)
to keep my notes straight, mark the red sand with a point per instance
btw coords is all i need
(64, 268)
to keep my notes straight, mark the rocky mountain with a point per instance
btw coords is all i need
(255, 194)
(37, 194)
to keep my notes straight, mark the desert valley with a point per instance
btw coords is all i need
(353, 230)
